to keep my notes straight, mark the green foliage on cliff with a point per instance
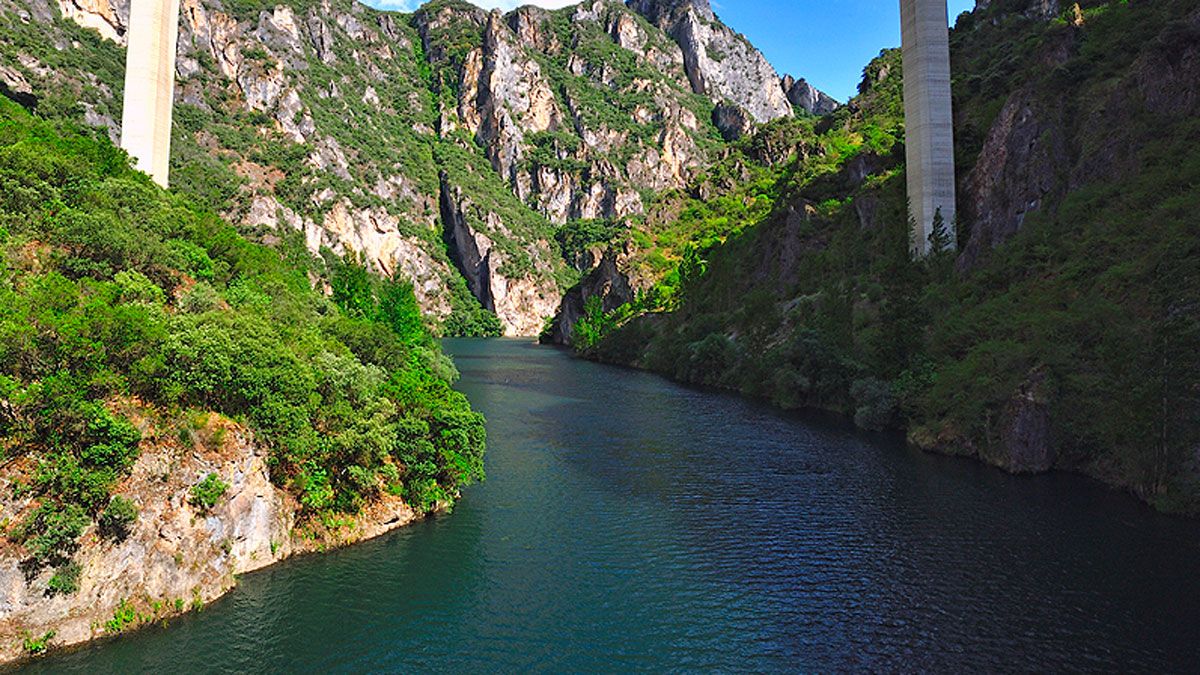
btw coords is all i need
(117, 518)
(34, 646)
(113, 291)
(208, 492)
(65, 580)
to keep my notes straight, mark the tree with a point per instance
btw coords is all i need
(940, 240)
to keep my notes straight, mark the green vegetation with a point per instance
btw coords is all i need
(117, 297)
(65, 580)
(50, 531)
(117, 518)
(37, 645)
(208, 492)
(1090, 310)
(579, 235)
(124, 617)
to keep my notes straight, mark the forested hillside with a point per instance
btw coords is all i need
(1066, 334)
(141, 336)
(453, 147)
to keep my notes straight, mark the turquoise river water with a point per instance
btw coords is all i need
(631, 524)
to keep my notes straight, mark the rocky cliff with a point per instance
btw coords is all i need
(720, 64)
(178, 555)
(338, 126)
(1037, 149)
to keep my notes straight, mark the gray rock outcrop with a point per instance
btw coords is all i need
(807, 97)
(521, 301)
(176, 556)
(606, 281)
(1018, 170)
(721, 64)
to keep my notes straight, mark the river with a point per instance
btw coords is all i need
(629, 523)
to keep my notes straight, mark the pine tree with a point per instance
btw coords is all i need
(939, 234)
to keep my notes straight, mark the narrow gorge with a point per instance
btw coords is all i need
(201, 382)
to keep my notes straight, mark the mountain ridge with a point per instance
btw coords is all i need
(585, 131)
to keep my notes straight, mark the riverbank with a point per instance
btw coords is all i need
(1028, 441)
(179, 555)
(630, 523)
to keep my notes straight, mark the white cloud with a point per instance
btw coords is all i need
(412, 5)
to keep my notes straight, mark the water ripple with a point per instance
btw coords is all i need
(629, 524)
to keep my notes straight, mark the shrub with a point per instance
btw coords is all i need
(51, 531)
(114, 442)
(124, 617)
(137, 288)
(117, 517)
(65, 580)
(208, 492)
(875, 405)
(35, 646)
(195, 259)
(593, 326)
(708, 361)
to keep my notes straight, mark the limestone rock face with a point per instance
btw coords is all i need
(606, 281)
(733, 121)
(521, 301)
(807, 97)
(1034, 9)
(579, 119)
(175, 556)
(1026, 443)
(1018, 170)
(348, 229)
(664, 12)
(720, 63)
(504, 95)
(506, 99)
(110, 19)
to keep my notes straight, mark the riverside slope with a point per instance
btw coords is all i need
(1065, 334)
(177, 556)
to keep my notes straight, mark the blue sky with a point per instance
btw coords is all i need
(825, 41)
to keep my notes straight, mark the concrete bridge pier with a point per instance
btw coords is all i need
(150, 85)
(929, 120)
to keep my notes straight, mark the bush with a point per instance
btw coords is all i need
(114, 442)
(593, 326)
(708, 361)
(208, 492)
(35, 646)
(65, 580)
(118, 517)
(51, 531)
(875, 405)
(125, 616)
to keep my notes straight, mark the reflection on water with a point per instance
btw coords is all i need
(632, 524)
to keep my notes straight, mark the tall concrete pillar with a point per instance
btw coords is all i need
(150, 85)
(929, 121)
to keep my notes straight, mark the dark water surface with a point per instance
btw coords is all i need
(632, 524)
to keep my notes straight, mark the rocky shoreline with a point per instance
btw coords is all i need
(177, 556)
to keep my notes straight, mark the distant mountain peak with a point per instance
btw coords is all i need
(720, 63)
(665, 12)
